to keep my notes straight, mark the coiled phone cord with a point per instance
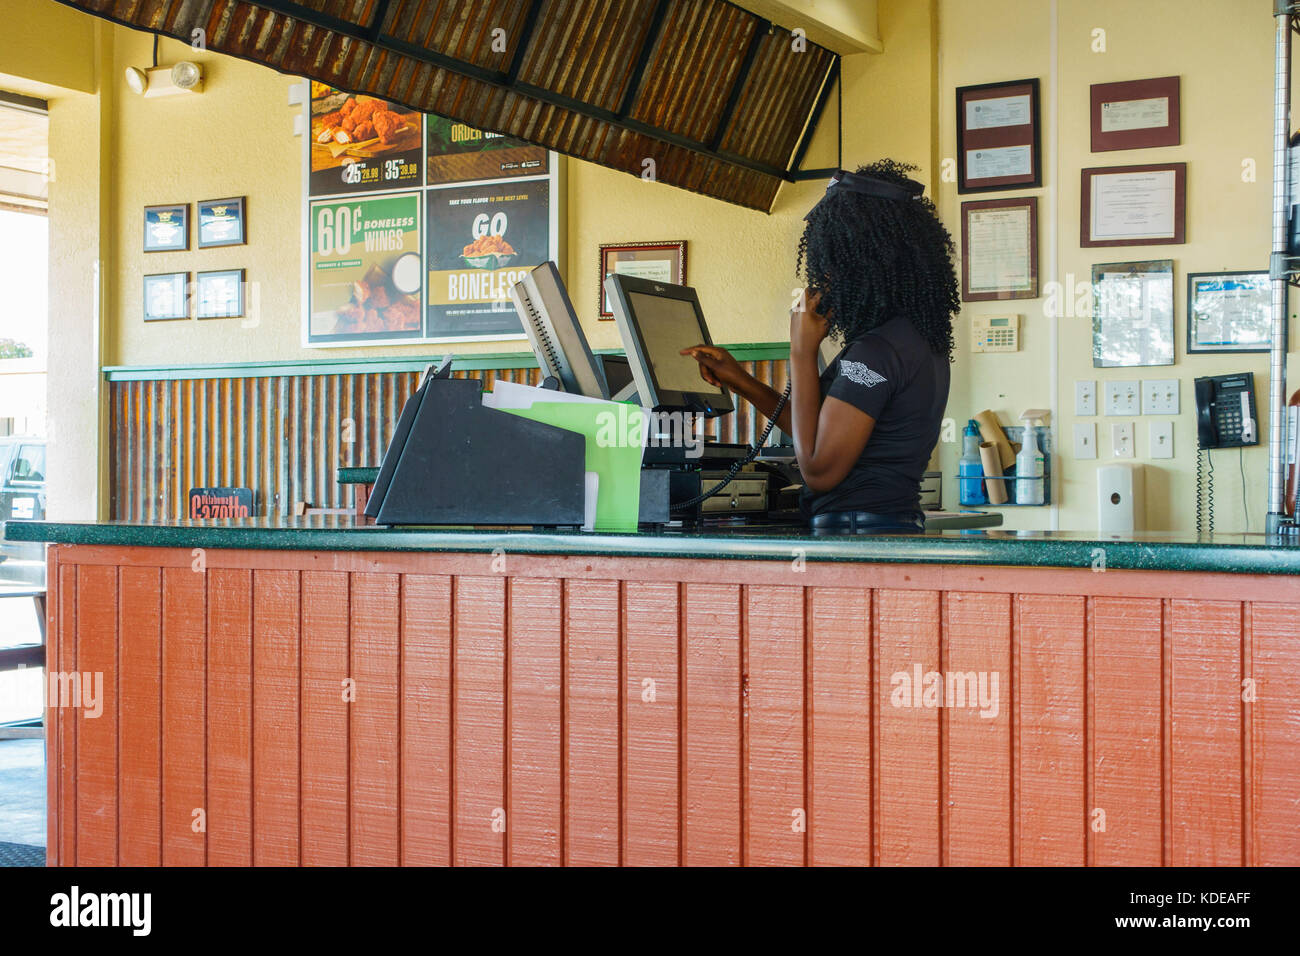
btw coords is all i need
(1204, 491)
(740, 463)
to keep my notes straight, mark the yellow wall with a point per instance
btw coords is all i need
(31, 64)
(1223, 53)
(80, 272)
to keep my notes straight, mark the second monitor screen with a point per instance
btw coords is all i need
(668, 326)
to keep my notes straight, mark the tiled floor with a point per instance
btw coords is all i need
(22, 796)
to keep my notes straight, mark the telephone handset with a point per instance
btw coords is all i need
(1225, 411)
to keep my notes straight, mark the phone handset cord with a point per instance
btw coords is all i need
(1204, 491)
(740, 463)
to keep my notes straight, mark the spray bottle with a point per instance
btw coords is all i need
(969, 467)
(1029, 463)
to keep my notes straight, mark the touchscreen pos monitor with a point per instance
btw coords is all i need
(555, 334)
(656, 320)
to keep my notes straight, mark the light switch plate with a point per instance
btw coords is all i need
(1122, 398)
(1085, 397)
(1160, 396)
(1085, 440)
(1121, 440)
(1162, 439)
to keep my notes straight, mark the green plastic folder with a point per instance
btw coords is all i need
(614, 448)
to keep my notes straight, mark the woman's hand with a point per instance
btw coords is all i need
(807, 326)
(717, 366)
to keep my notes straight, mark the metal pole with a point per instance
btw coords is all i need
(1279, 268)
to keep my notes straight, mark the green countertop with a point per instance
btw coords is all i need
(1245, 554)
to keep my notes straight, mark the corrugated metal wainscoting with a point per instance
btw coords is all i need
(284, 436)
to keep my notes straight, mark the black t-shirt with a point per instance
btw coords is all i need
(891, 374)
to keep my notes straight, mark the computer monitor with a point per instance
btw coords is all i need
(656, 321)
(555, 334)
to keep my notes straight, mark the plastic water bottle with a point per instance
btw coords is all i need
(970, 469)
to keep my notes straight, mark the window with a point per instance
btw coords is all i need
(29, 464)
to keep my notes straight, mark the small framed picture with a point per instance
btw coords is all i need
(998, 137)
(1133, 205)
(999, 249)
(658, 261)
(219, 295)
(1133, 313)
(221, 223)
(1229, 312)
(165, 296)
(167, 228)
(1136, 114)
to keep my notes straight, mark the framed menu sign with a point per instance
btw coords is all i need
(416, 226)
(460, 153)
(485, 239)
(1135, 114)
(362, 144)
(364, 270)
(998, 137)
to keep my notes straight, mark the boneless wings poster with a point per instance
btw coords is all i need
(488, 237)
(417, 225)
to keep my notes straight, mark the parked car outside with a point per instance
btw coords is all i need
(22, 498)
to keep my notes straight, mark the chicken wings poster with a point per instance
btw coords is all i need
(365, 269)
(416, 226)
(362, 144)
(482, 240)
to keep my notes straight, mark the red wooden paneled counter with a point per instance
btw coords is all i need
(319, 693)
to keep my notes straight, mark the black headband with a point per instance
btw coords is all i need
(870, 186)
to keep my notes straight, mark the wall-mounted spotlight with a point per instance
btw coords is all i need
(137, 80)
(182, 77)
(187, 76)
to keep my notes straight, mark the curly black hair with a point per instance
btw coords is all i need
(873, 259)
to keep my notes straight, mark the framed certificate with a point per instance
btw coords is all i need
(1229, 312)
(221, 223)
(999, 249)
(167, 228)
(1133, 205)
(1133, 313)
(659, 261)
(998, 137)
(1136, 114)
(219, 295)
(165, 297)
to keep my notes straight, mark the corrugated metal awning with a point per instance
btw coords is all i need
(721, 100)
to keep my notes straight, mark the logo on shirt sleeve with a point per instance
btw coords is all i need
(859, 373)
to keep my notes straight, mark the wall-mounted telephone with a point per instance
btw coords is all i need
(1225, 411)
(995, 333)
(1225, 418)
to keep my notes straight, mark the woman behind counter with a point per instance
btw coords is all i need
(877, 266)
